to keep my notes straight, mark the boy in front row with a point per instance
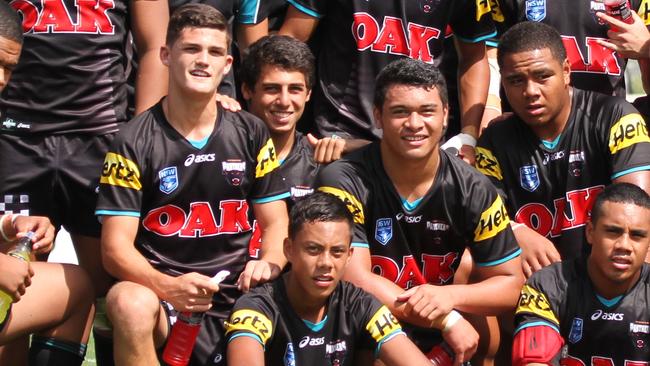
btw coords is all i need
(308, 315)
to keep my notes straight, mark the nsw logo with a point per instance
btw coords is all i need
(384, 230)
(535, 10)
(168, 179)
(575, 335)
(528, 177)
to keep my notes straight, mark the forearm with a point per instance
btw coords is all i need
(151, 82)
(473, 83)
(492, 296)
(273, 235)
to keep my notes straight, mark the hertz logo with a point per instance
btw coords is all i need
(629, 130)
(250, 321)
(350, 201)
(382, 324)
(267, 160)
(535, 302)
(497, 14)
(487, 164)
(493, 221)
(482, 8)
(120, 171)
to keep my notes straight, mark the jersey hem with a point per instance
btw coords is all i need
(117, 213)
(476, 40)
(631, 170)
(535, 324)
(273, 198)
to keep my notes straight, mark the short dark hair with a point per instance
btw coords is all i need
(410, 72)
(318, 207)
(284, 52)
(196, 15)
(10, 26)
(528, 36)
(619, 193)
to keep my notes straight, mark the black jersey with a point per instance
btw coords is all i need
(596, 331)
(593, 67)
(296, 174)
(551, 187)
(418, 243)
(71, 76)
(354, 320)
(193, 202)
(361, 37)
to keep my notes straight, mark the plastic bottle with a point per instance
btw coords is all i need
(441, 355)
(182, 337)
(619, 9)
(22, 250)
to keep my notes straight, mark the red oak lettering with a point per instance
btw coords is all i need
(171, 220)
(578, 203)
(54, 17)
(255, 244)
(437, 269)
(392, 37)
(600, 60)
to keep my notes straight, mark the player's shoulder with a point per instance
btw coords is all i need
(352, 166)
(242, 120)
(554, 280)
(600, 106)
(463, 176)
(142, 127)
(503, 130)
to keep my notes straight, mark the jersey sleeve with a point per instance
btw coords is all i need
(339, 179)
(643, 9)
(471, 20)
(253, 11)
(268, 185)
(488, 164)
(627, 139)
(539, 302)
(377, 321)
(493, 240)
(120, 184)
(313, 8)
(251, 317)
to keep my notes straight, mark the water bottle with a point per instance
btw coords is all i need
(182, 339)
(22, 250)
(441, 355)
(619, 9)
(184, 332)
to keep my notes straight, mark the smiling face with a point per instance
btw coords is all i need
(413, 120)
(278, 98)
(537, 87)
(619, 242)
(197, 61)
(318, 254)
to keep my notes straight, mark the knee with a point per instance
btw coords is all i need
(132, 306)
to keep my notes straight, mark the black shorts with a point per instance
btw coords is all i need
(211, 343)
(55, 176)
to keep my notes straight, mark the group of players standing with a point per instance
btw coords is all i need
(189, 187)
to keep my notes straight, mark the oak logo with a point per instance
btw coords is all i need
(53, 17)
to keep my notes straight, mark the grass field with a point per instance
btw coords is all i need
(90, 354)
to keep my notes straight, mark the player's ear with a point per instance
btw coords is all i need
(377, 114)
(445, 118)
(164, 55)
(286, 248)
(589, 232)
(566, 71)
(246, 91)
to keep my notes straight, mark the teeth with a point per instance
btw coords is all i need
(199, 73)
(281, 114)
(413, 138)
